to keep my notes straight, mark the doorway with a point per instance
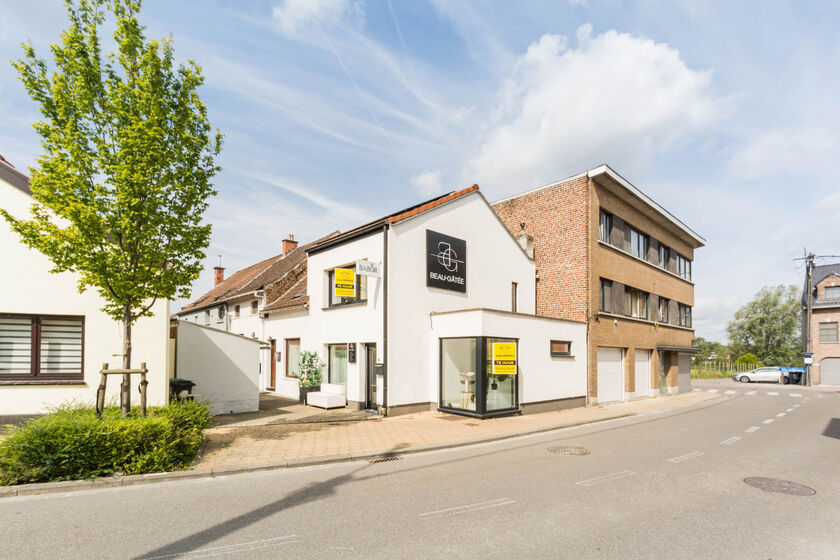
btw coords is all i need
(272, 359)
(370, 383)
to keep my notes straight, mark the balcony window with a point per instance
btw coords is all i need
(605, 227)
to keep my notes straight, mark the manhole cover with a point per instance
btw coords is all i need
(779, 486)
(568, 450)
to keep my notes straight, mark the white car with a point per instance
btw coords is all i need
(771, 374)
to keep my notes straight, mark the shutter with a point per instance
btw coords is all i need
(61, 346)
(620, 236)
(15, 345)
(653, 250)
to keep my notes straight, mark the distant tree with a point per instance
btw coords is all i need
(747, 360)
(709, 350)
(128, 160)
(769, 327)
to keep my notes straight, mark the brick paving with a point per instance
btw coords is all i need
(254, 445)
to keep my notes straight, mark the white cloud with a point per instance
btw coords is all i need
(785, 152)
(293, 16)
(615, 98)
(427, 183)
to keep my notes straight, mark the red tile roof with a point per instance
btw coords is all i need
(431, 204)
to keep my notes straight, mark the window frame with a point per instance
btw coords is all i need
(605, 222)
(684, 312)
(640, 297)
(601, 304)
(642, 239)
(664, 305)
(255, 307)
(357, 300)
(236, 310)
(345, 345)
(833, 289)
(557, 354)
(286, 373)
(683, 267)
(836, 333)
(664, 256)
(35, 375)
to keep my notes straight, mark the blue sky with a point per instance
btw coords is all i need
(338, 111)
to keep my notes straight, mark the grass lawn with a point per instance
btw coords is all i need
(711, 374)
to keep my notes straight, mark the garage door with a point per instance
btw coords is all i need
(684, 379)
(610, 375)
(642, 373)
(830, 371)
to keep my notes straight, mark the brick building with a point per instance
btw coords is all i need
(608, 255)
(825, 316)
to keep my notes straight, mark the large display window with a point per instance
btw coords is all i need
(479, 376)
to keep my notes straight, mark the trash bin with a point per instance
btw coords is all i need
(178, 386)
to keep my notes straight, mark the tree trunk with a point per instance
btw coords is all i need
(125, 387)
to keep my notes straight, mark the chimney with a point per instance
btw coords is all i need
(288, 244)
(526, 241)
(219, 272)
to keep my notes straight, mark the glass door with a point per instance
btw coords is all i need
(338, 364)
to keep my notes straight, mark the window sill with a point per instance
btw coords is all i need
(562, 355)
(645, 321)
(643, 261)
(343, 305)
(10, 382)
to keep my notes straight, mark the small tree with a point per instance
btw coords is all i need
(310, 369)
(749, 360)
(128, 161)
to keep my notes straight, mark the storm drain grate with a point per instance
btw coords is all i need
(569, 450)
(384, 460)
(779, 486)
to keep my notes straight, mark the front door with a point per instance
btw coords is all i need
(370, 360)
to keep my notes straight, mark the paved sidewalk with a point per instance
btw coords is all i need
(243, 446)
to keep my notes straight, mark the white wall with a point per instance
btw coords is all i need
(281, 326)
(224, 367)
(31, 289)
(541, 377)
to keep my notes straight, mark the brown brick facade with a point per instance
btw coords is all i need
(823, 350)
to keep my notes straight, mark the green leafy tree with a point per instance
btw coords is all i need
(747, 360)
(128, 160)
(710, 350)
(769, 327)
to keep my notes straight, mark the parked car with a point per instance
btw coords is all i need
(771, 374)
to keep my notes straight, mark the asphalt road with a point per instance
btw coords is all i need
(668, 485)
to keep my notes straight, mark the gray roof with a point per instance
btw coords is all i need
(821, 272)
(11, 175)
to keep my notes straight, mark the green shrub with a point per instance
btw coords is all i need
(310, 368)
(748, 360)
(72, 443)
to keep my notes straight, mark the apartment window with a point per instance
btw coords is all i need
(664, 304)
(254, 306)
(605, 227)
(361, 290)
(685, 315)
(38, 347)
(236, 311)
(606, 296)
(514, 288)
(561, 348)
(664, 256)
(292, 357)
(683, 267)
(638, 244)
(828, 332)
(832, 292)
(635, 303)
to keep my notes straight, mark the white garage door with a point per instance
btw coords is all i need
(610, 375)
(642, 373)
(830, 371)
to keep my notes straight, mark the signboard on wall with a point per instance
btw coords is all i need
(446, 262)
(368, 268)
(344, 282)
(351, 353)
(504, 358)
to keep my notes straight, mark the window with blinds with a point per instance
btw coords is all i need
(45, 347)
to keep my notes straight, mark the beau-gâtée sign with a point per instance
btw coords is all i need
(446, 262)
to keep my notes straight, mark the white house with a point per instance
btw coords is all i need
(54, 340)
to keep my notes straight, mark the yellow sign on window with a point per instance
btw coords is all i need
(504, 358)
(344, 282)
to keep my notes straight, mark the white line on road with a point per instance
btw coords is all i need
(796, 394)
(768, 421)
(773, 393)
(779, 415)
(751, 393)
(686, 457)
(468, 508)
(819, 396)
(796, 406)
(714, 390)
(730, 441)
(606, 478)
(788, 410)
(731, 392)
(753, 429)
(229, 549)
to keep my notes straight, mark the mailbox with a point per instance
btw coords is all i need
(379, 368)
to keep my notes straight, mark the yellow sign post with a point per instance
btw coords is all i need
(504, 358)
(344, 283)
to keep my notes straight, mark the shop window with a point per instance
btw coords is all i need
(337, 372)
(606, 296)
(292, 357)
(458, 381)
(501, 378)
(605, 227)
(359, 289)
(828, 332)
(685, 315)
(41, 347)
(561, 348)
(635, 303)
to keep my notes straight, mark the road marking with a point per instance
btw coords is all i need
(773, 393)
(753, 429)
(730, 441)
(769, 420)
(779, 415)
(796, 406)
(788, 410)
(682, 458)
(731, 392)
(605, 478)
(796, 394)
(714, 390)
(468, 508)
(751, 392)
(229, 549)
(819, 396)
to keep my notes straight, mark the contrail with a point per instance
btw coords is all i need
(402, 42)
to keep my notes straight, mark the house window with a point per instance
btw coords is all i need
(41, 347)
(832, 292)
(513, 295)
(254, 306)
(638, 244)
(337, 372)
(605, 227)
(685, 315)
(561, 348)
(606, 296)
(361, 290)
(664, 304)
(664, 256)
(236, 311)
(635, 303)
(828, 332)
(292, 357)
(683, 267)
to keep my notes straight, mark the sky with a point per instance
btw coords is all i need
(336, 112)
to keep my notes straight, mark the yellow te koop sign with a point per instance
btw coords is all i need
(504, 358)
(344, 284)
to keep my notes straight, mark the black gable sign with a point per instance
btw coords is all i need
(446, 262)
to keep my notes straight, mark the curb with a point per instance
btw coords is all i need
(38, 488)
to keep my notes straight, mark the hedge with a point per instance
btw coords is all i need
(72, 443)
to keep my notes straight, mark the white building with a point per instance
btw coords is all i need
(54, 340)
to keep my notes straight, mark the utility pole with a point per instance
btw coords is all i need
(809, 303)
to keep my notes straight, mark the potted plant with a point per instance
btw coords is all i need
(310, 367)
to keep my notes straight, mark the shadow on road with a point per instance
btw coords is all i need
(833, 429)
